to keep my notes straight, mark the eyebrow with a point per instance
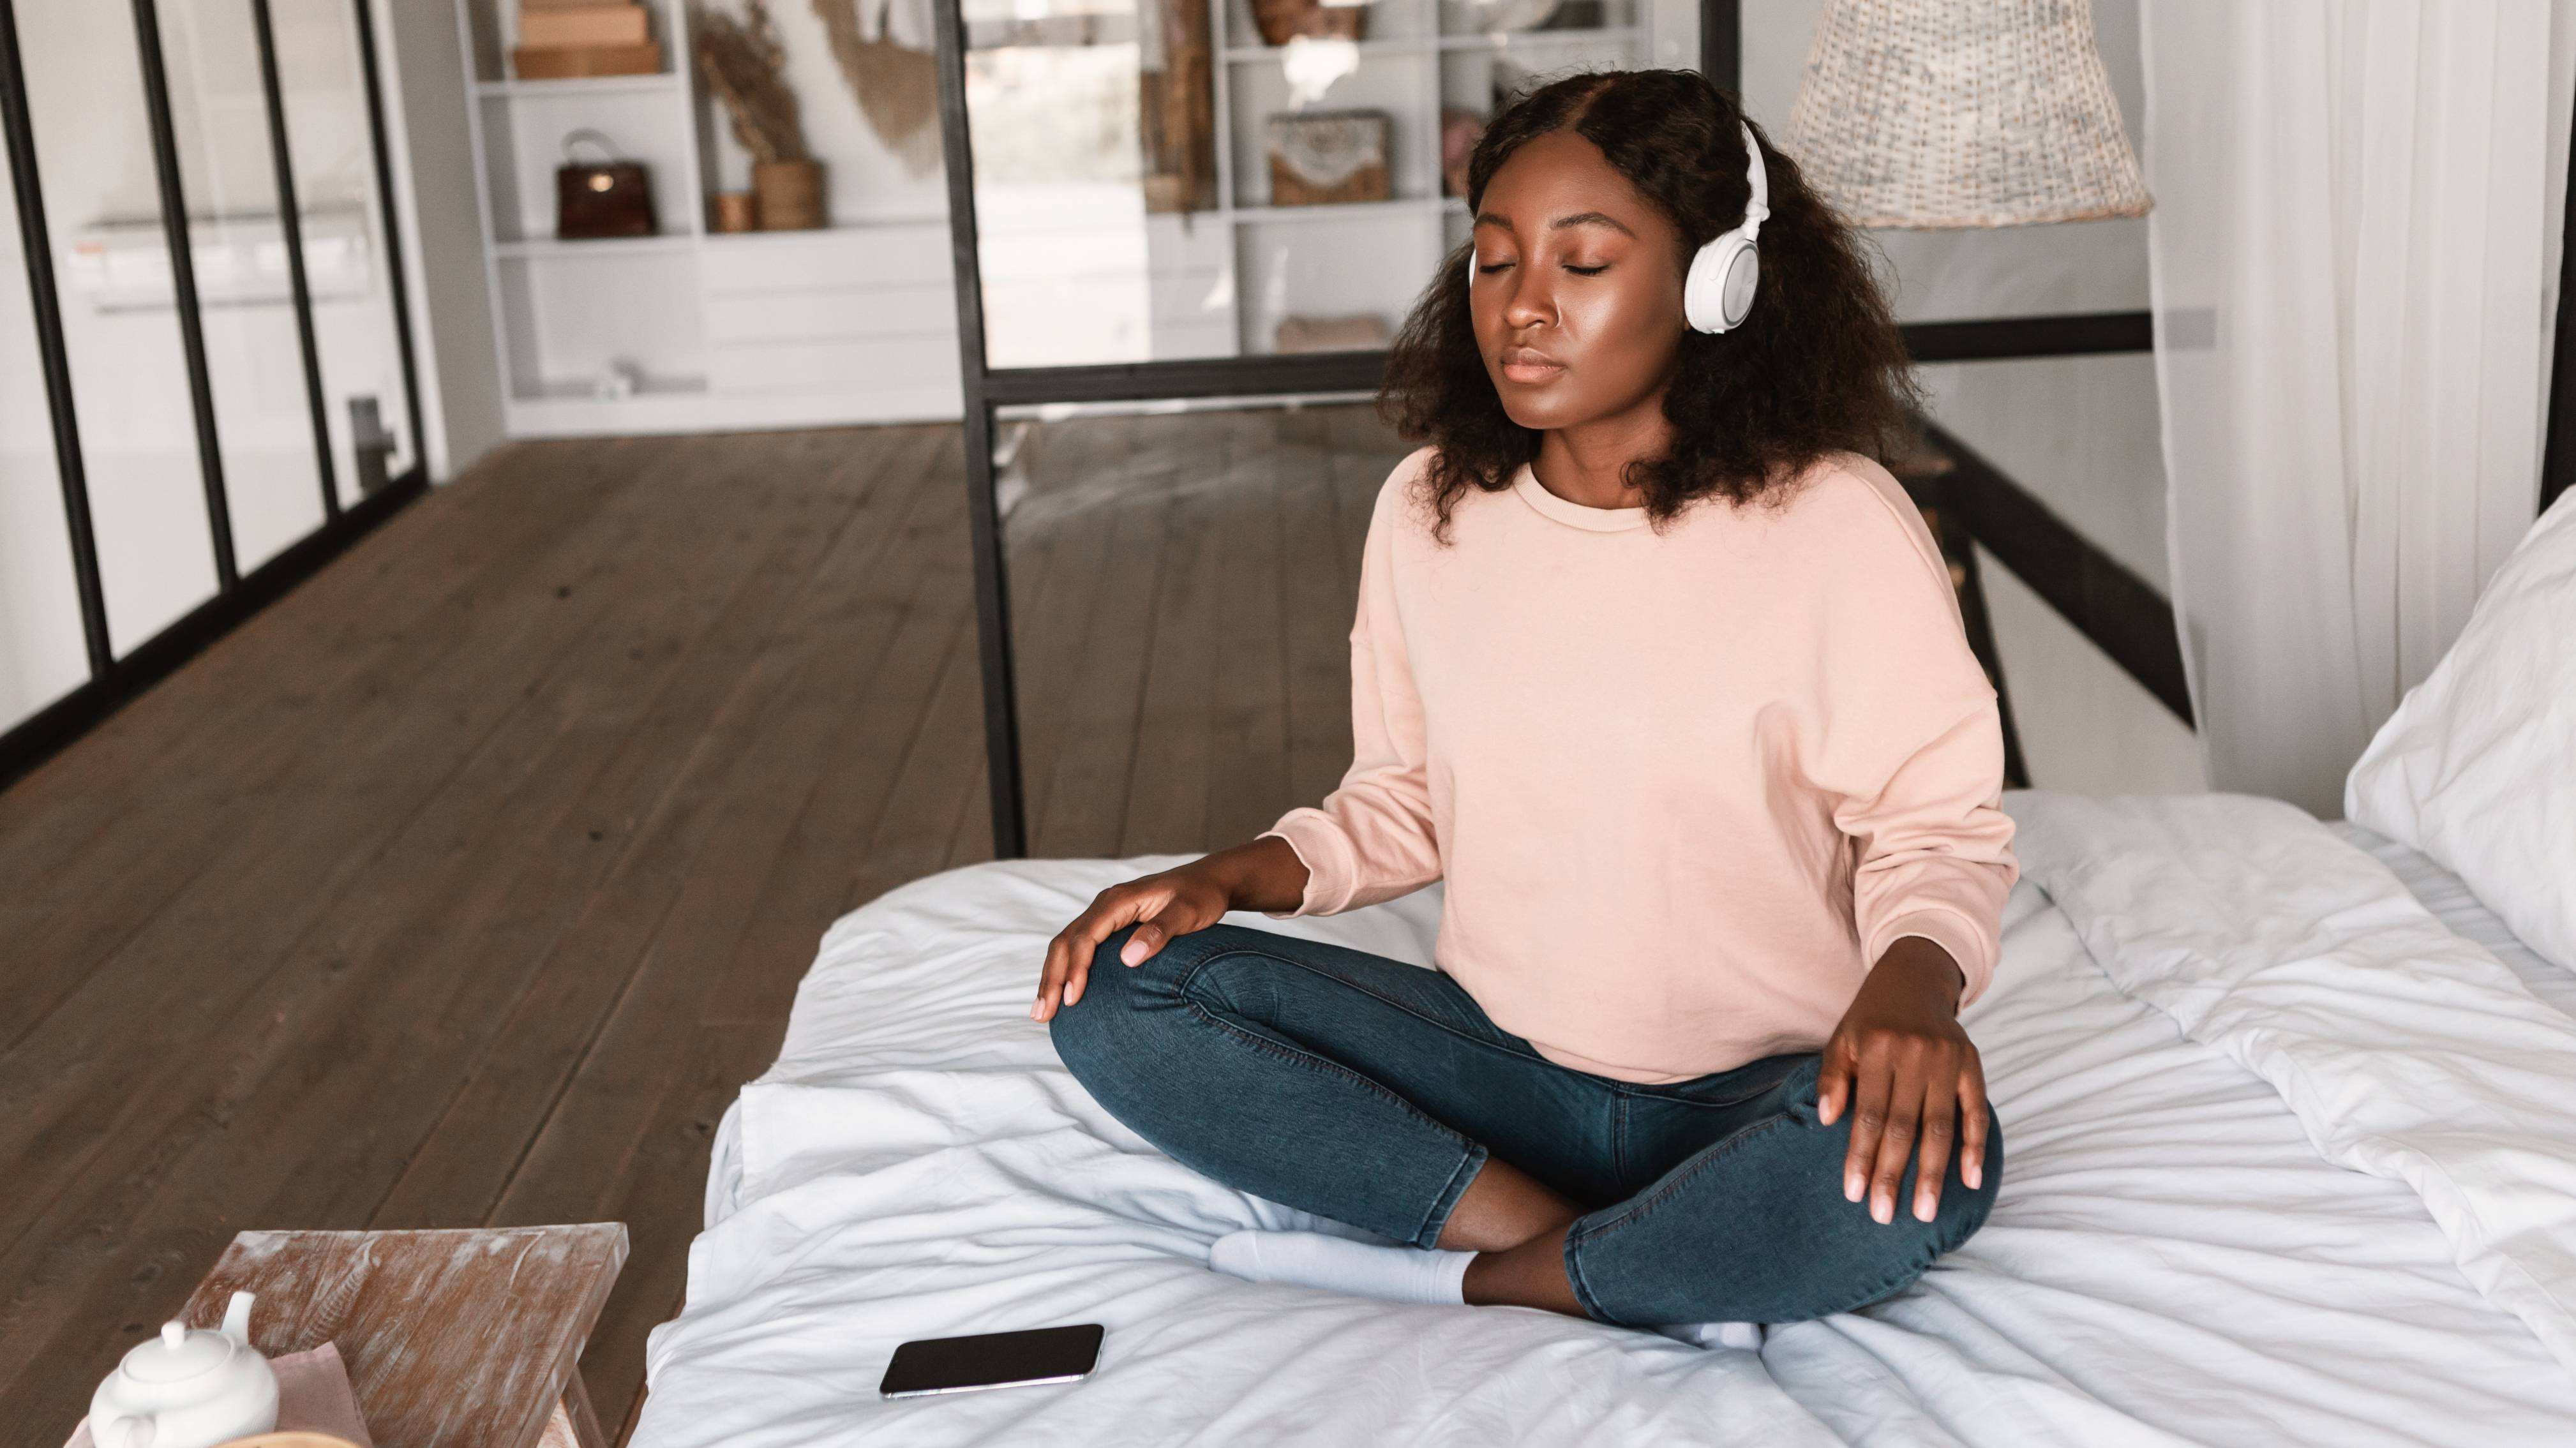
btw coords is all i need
(1590, 218)
(1580, 218)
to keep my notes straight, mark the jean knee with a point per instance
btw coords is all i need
(1121, 1006)
(1909, 1246)
(1092, 1027)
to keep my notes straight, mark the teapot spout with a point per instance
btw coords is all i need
(237, 1318)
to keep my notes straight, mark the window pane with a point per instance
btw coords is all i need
(1182, 586)
(263, 418)
(129, 374)
(346, 262)
(42, 656)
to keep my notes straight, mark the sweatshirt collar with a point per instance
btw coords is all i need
(1575, 515)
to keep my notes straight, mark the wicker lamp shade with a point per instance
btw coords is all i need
(1963, 113)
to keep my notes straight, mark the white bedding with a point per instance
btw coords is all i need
(2170, 1260)
(2459, 909)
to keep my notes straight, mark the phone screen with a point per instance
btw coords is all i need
(992, 1360)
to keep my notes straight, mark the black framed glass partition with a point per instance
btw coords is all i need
(1168, 219)
(210, 365)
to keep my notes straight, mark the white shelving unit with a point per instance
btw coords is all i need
(848, 324)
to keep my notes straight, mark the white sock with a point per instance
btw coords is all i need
(1745, 1335)
(1337, 1264)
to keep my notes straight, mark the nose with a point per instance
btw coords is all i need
(1531, 301)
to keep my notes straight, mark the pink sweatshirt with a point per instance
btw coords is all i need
(1685, 787)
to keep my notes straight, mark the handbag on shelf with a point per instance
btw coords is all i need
(601, 198)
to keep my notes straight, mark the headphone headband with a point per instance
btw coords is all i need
(1758, 209)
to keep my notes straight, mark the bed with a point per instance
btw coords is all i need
(2195, 1242)
(2291, 1114)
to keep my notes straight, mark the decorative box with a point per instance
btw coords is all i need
(1325, 158)
(1280, 21)
(1360, 332)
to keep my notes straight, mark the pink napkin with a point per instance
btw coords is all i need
(313, 1396)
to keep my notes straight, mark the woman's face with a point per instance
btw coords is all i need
(1577, 290)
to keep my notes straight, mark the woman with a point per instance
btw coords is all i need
(1666, 682)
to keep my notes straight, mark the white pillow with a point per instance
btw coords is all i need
(2477, 768)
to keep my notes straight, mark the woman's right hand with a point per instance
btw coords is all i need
(1263, 875)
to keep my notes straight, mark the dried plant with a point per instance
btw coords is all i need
(744, 66)
(897, 87)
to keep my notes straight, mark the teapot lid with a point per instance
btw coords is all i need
(177, 1355)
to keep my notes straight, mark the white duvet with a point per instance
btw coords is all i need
(2287, 1162)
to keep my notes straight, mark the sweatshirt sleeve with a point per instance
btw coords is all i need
(1372, 838)
(1936, 852)
(1911, 747)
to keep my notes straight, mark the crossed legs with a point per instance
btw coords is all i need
(1378, 1094)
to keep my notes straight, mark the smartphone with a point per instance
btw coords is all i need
(992, 1360)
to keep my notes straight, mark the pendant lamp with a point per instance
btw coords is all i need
(1935, 114)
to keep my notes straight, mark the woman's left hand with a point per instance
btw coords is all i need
(1910, 1075)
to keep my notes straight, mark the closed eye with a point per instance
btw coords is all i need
(1588, 271)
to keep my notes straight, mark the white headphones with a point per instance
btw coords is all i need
(1718, 292)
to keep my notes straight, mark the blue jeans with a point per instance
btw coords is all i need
(1372, 1092)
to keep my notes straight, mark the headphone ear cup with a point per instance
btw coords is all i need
(1718, 291)
(1743, 276)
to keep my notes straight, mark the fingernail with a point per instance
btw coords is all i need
(1974, 1176)
(1851, 1186)
(1922, 1210)
(1882, 1210)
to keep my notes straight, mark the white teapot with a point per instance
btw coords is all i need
(187, 1389)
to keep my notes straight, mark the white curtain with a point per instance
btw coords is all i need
(2351, 256)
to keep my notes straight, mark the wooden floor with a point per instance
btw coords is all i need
(467, 883)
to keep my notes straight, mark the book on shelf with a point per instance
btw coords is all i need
(570, 62)
(554, 27)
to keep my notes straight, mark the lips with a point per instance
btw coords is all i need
(1530, 366)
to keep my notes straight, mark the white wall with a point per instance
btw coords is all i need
(2081, 433)
(423, 68)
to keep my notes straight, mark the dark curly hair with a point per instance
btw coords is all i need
(1818, 367)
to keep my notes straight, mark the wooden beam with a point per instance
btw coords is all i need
(2122, 614)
